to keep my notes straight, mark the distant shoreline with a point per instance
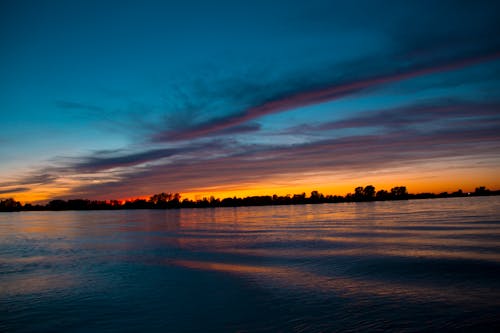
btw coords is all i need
(173, 200)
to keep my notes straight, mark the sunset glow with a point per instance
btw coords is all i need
(265, 101)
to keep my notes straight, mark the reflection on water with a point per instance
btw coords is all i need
(428, 264)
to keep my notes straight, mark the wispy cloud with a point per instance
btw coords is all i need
(14, 190)
(185, 121)
(326, 93)
(36, 178)
(69, 105)
(108, 160)
(400, 118)
(186, 134)
(100, 162)
(421, 132)
(361, 153)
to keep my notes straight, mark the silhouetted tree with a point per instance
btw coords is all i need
(176, 198)
(369, 192)
(382, 195)
(363, 194)
(10, 205)
(77, 204)
(169, 201)
(481, 190)
(159, 199)
(399, 192)
(358, 193)
(57, 205)
(316, 197)
(299, 198)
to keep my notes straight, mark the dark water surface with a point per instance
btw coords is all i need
(404, 266)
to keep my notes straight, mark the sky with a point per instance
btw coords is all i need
(124, 99)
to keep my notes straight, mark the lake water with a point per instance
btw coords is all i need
(405, 266)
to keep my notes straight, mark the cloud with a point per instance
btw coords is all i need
(186, 134)
(101, 161)
(305, 96)
(406, 135)
(14, 190)
(421, 114)
(245, 128)
(105, 160)
(334, 51)
(356, 153)
(35, 178)
(412, 39)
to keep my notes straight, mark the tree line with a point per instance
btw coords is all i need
(173, 200)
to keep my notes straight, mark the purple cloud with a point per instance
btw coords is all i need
(306, 97)
(15, 190)
(422, 114)
(353, 153)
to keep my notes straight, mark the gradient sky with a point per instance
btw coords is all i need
(121, 99)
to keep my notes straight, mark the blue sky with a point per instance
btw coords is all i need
(99, 98)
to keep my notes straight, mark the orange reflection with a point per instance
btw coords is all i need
(225, 267)
(24, 284)
(294, 278)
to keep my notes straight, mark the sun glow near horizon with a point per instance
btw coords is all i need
(280, 101)
(428, 179)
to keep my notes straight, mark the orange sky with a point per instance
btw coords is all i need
(267, 100)
(430, 177)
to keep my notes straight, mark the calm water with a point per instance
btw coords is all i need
(405, 266)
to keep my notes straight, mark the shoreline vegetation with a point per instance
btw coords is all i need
(173, 200)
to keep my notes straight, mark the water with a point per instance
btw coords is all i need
(404, 266)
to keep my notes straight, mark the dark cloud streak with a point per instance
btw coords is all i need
(354, 154)
(325, 94)
(38, 178)
(15, 190)
(433, 112)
